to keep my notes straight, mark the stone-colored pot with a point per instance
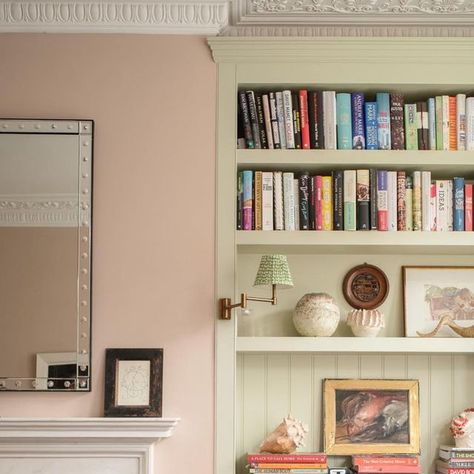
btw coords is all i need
(316, 314)
(365, 322)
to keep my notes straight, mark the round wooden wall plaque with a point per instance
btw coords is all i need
(365, 287)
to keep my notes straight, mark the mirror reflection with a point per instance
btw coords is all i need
(45, 195)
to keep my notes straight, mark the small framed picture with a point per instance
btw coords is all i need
(133, 382)
(433, 293)
(371, 416)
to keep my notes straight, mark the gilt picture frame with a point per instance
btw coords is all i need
(433, 292)
(133, 382)
(371, 416)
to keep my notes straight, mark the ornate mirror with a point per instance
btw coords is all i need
(45, 254)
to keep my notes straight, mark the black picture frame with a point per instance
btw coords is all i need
(137, 389)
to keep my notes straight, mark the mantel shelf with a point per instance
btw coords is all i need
(405, 345)
(364, 242)
(461, 163)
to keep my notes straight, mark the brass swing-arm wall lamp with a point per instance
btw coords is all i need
(274, 271)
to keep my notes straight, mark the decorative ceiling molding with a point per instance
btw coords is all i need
(61, 16)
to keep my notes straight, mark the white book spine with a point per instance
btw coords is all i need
(349, 196)
(450, 202)
(425, 200)
(281, 119)
(461, 121)
(433, 208)
(392, 200)
(329, 119)
(268, 121)
(288, 116)
(416, 202)
(278, 200)
(267, 200)
(442, 205)
(432, 123)
(470, 123)
(297, 204)
(445, 102)
(409, 207)
(289, 200)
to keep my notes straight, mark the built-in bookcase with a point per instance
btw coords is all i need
(264, 370)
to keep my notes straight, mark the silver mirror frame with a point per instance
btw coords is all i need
(84, 129)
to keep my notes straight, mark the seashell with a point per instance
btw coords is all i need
(316, 314)
(365, 322)
(462, 428)
(285, 438)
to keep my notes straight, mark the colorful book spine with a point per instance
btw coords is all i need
(329, 124)
(392, 200)
(261, 121)
(268, 121)
(256, 470)
(326, 201)
(320, 458)
(350, 199)
(411, 128)
(453, 128)
(389, 469)
(288, 117)
(274, 120)
(247, 205)
(401, 201)
(417, 220)
(458, 201)
(450, 205)
(314, 123)
(425, 200)
(433, 208)
(453, 470)
(245, 115)
(258, 200)
(304, 119)
(288, 465)
(432, 123)
(318, 202)
(371, 139)
(409, 202)
(439, 122)
(468, 217)
(422, 125)
(296, 119)
(240, 191)
(311, 198)
(383, 120)
(280, 110)
(470, 123)
(358, 121)
(253, 118)
(461, 121)
(303, 189)
(451, 452)
(278, 218)
(267, 200)
(396, 122)
(297, 204)
(373, 199)
(343, 121)
(370, 460)
(338, 198)
(445, 116)
(363, 199)
(382, 200)
(289, 201)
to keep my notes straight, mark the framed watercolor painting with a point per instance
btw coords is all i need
(433, 293)
(133, 382)
(371, 416)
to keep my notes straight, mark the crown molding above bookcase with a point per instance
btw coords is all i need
(248, 17)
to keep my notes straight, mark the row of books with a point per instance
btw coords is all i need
(386, 464)
(309, 119)
(364, 199)
(454, 460)
(303, 463)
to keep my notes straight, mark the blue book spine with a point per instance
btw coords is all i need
(247, 200)
(431, 124)
(458, 217)
(371, 140)
(343, 121)
(358, 123)
(383, 120)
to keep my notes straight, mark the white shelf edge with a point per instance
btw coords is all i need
(404, 345)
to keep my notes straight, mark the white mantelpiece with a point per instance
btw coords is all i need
(78, 445)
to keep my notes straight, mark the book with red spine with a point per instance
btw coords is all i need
(468, 206)
(370, 460)
(454, 470)
(287, 465)
(304, 119)
(382, 200)
(314, 458)
(389, 469)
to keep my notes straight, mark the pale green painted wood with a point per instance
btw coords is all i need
(278, 389)
(371, 366)
(395, 366)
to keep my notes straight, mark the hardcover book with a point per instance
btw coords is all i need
(358, 121)
(315, 119)
(382, 200)
(422, 125)
(280, 111)
(401, 201)
(383, 120)
(267, 200)
(439, 122)
(363, 200)
(258, 200)
(396, 121)
(247, 204)
(268, 121)
(304, 119)
(470, 123)
(343, 121)
(425, 200)
(468, 207)
(371, 138)
(326, 201)
(409, 202)
(411, 127)
(350, 199)
(288, 115)
(252, 105)
(453, 128)
(458, 201)
(431, 123)
(329, 119)
(289, 200)
(261, 121)
(373, 199)
(461, 121)
(303, 181)
(296, 119)
(274, 120)
(245, 117)
(417, 221)
(338, 182)
(392, 200)
(445, 121)
(318, 202)
(317, 458)
(278, 223)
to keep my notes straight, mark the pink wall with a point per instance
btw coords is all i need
(153, 100)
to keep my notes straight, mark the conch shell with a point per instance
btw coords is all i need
(448, 321)
(285, 438)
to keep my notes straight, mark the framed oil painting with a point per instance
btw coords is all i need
(436, 295)
(133, 382)
(371, 416)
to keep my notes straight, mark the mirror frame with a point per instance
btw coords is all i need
(84, 129)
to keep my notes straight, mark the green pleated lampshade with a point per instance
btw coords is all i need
(274, 270)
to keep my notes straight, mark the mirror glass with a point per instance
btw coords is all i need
(45, 254)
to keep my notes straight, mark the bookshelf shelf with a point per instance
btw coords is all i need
(392, 345)
(370, 242)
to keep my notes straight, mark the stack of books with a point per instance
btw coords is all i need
(455, 460)
(303, 463)
(390, 464)
(309, 119)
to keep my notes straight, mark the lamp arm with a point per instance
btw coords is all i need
(226, 306)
